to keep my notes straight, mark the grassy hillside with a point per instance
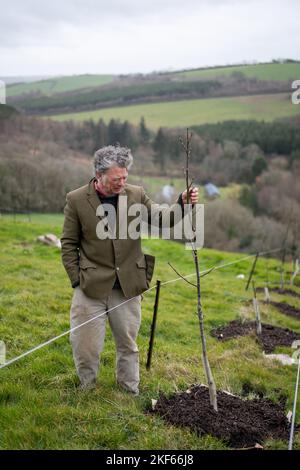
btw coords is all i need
(55, 85)
(119, 93)
(277, 72)
(51, 86)
(195, 112)
(40, 390)
(82, 92)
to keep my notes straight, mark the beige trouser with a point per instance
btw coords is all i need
(88, 340)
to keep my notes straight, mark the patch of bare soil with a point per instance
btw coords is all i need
(287, 309)
(239, 423)
(271, 337)
(290, 292)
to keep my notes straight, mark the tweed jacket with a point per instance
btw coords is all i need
(94, 263)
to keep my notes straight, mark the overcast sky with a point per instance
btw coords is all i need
(60, 37)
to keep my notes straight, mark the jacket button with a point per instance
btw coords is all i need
(117, 268)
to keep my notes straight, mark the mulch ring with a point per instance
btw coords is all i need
(285, 308)
(239, 423)
(277, 290)
(271, 337)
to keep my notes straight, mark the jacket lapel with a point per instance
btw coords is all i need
(121, 216)
(92, 197)
(95, 202)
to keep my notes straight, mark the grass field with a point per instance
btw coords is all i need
(59, 84)
(260, 71)
(41, 407)
(195, 112)
(69, 83)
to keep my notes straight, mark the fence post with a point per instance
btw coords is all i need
(252, 270)
(152, 333)
(256, 311)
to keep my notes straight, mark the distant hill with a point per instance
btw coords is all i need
(81, 92)
(51, 86)
(270, 71)
(182, 113)
(186, 97)
(24, 79)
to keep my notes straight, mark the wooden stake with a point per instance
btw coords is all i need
(257, 311)
(152, 333)
(267, 295)
(296, 271)
(282, 274)
(252, 270)
(291, 439)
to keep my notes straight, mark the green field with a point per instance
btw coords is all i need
(48, 87)
(195, 112)
(260, 71)
(41, 407)
(59, 84)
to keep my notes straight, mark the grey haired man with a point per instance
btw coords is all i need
(108, 274)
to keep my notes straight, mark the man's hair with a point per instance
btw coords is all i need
(110, 156)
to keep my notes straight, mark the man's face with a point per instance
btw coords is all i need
(113, 180)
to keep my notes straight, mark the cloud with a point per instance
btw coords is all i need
(34, 21)
(65, 37)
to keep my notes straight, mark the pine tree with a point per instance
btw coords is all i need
(144, 133)
(113, 132)
(160, 147)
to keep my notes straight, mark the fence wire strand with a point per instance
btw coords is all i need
(46, 343)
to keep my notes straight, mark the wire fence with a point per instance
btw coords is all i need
(50, 341)
(218, 267)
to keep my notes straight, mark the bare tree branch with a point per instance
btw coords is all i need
(182, 277)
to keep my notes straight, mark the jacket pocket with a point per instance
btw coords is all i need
(141, 263)
(87, 273)
(85, 264)
(150, 263)
(147, 262)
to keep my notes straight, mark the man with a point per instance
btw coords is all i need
(108, 273)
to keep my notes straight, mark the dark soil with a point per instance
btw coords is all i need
(240, 423)
(271, 336)
(290, 292)
(286, 309)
